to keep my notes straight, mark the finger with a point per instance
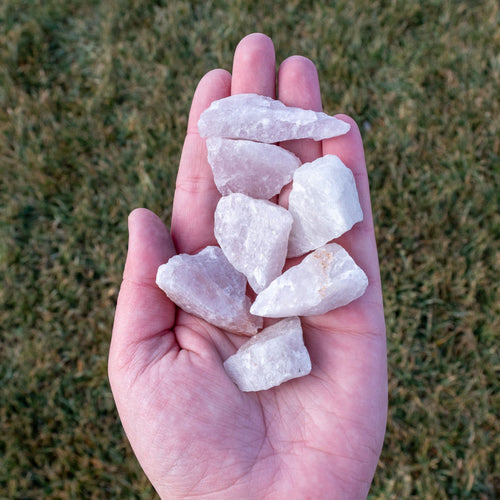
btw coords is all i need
(196, 195)
(360, 240)
(143, 310)
(347, 345)
(298, 86)
(254, 66)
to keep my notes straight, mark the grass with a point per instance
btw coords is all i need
(93, 104)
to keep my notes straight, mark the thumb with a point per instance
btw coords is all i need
(143, 311)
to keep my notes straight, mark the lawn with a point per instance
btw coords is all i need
(94, 99)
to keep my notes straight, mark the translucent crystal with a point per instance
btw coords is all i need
(260, 118)
(209, 287)
(323, 202)
(273, 356)
(253, 235)
(326, 279)
(253, 168)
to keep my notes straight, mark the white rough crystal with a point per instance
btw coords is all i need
(253, 168)
(209, 287)
(323, 202)
(260, 118)
(273, 356)
(253, 235)
(326, 279)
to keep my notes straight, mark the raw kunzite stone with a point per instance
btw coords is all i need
(253, 235)
(260, 118)
(253, 168)
(326, 279)
(271, 357)
(209, 287)
(323, 202)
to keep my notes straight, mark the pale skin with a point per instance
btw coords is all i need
(194, 433)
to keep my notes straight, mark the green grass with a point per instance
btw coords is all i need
(94, 99)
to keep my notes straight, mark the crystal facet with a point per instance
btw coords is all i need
(271, 357)
(326, 279)
(209, 287)
(253, 168)
(323, 202)
(260, 118)
(253, 235)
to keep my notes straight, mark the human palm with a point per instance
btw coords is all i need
(194, 433)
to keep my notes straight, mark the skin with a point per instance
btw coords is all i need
(194, 433)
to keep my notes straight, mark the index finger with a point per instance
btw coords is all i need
(196, 195)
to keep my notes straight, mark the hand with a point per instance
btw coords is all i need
(194, 433)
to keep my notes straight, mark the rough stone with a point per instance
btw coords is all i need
(271, 357)
(260, 118)
(253, 168)
(254, 236)
(323, 202)
(209, 287)
(325, 279)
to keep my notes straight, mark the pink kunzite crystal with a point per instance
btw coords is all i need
(323, 202)
(253, 235)
(271, 357)
(253, 168)
(209, 287)
(326, 279)
(260, 118)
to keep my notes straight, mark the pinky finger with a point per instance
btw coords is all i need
(360, 240)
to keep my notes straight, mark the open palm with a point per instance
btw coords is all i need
(194, 433)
